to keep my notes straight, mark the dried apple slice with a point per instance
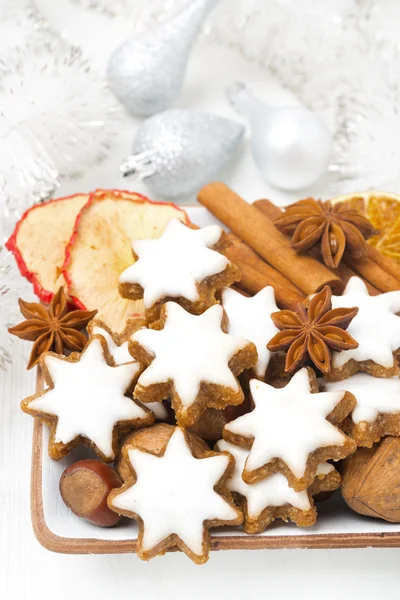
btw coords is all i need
(39, 239)
(100, 248)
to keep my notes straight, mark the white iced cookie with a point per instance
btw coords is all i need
(250, 318)
(122, 356)
(86, 403)
(377, 412)
(178, 265)
(176, 498)
(192, 361)
(291, 430)
(269, 499)
(119, 352)
(376, 328)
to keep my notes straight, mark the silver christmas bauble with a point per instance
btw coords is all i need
(178, 151)
(146, 72)
(291, 146)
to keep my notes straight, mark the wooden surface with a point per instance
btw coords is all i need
(71, 545)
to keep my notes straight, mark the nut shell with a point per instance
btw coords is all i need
(371, 480)
(84, 487)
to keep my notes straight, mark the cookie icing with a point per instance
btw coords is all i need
(324, 468)
(374, 395)
(122, 356)
(120, 353)
(189, 350)
(88, 397)
(250, 318)
(288, 423)
(271, 491)
(173, 264)
(174, 494)
(376, 327)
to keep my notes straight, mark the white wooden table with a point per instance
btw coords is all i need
(29, 572)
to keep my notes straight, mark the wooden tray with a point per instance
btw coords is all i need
(59, 530)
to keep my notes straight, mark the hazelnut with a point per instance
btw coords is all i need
(84, 487)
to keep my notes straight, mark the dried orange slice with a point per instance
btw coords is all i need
(383, 210)
(100, 248)
(39, 239)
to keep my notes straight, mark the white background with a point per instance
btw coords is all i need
(28, 571)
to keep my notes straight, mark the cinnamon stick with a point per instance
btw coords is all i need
(268, 208)
(240, 251)
(262, 236)
(256, 274)
(375, 278)
(345, 273)
(253, 280)
(385, 262)
(373, 273)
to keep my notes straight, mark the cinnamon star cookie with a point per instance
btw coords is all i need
(292, 430)
(267, 500)
(85, 401)
(175, 496)
(192, 360)
(251, 318)
(377, 412)
(376, 327)
(181, 265)
(117, 344)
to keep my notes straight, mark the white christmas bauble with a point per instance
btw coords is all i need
(291, 146)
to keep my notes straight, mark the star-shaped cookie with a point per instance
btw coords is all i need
(251, 318)
(117, 344)
(85, 401)
(269, 499)
(192, 360)
(180, 265)
(291, 430)
(377, 412)
(376, 327)
(176, 498)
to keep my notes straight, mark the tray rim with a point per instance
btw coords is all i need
(55, 543)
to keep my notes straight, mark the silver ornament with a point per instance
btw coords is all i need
(178, 151)
(291, 146)
(146, 72)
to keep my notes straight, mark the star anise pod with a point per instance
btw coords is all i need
(335, 227)
(311, 334)
(52, 328)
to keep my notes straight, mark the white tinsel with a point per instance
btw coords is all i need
(12, 286)
(21, 22)
(57, 118)
(141, 13)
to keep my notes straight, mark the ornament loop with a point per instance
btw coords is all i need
(138, 164)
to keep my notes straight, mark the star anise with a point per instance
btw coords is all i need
(311, 334)
(334, 227)
(52, 328)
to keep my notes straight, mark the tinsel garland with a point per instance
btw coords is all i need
(12, 286)
(57, 118)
